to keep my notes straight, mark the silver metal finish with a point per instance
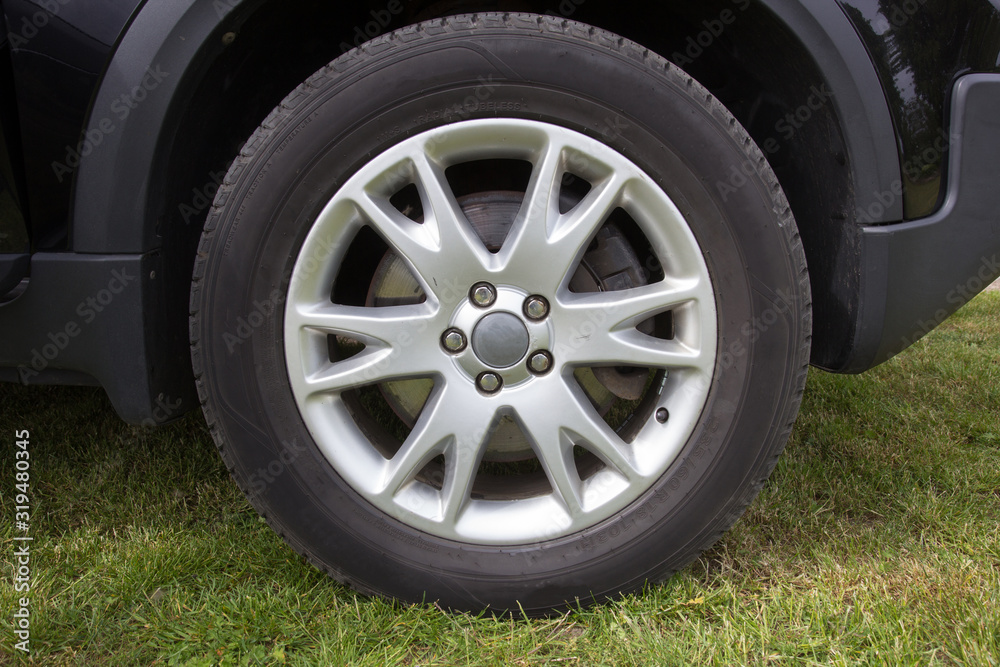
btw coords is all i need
(540, 362)
(454, 340)
(490, 383)
(484, 295)
(536, 308)
(542, 250)
(500, 340)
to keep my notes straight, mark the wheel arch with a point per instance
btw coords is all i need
(149, 184)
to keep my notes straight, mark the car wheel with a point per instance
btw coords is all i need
(479, 316)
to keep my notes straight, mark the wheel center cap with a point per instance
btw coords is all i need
(500, 340)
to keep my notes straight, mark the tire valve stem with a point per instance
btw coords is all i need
(662, 415)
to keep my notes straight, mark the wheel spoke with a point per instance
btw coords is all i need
(634, 348)
(631, 348)
(588, 429)
(371, 326)
(563, 475)
(578, 226)
(397, 343)
(602, 330)
(544, 246)
(625, 309)
(539, 210)
(554, 425)
(371, 366)
(428, 439)
(443, 252)
(437, 432)
(461, 465)
(411, 240)
(459, 246)
(594, 434)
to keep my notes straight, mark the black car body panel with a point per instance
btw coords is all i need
(920, 48)
(58, 51)
(128, 113)
(14, 245)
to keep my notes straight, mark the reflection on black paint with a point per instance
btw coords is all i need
(919, 48)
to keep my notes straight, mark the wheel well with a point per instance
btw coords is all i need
(765, 76)
(739, 50)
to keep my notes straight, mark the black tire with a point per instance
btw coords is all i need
(538, 69)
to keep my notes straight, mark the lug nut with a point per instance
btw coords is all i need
(540, 363)
(662, 415)
(453, 340)
(536, 308)
(483, 295)
(490, 383)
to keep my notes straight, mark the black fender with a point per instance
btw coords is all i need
(162, 53)
(170, 42)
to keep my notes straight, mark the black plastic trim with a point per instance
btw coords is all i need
(13, 268)
(917, 274)
(165, 44)
(97, 316)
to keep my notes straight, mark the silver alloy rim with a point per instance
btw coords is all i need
(579, 330)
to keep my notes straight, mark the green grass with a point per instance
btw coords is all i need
(875, 543)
